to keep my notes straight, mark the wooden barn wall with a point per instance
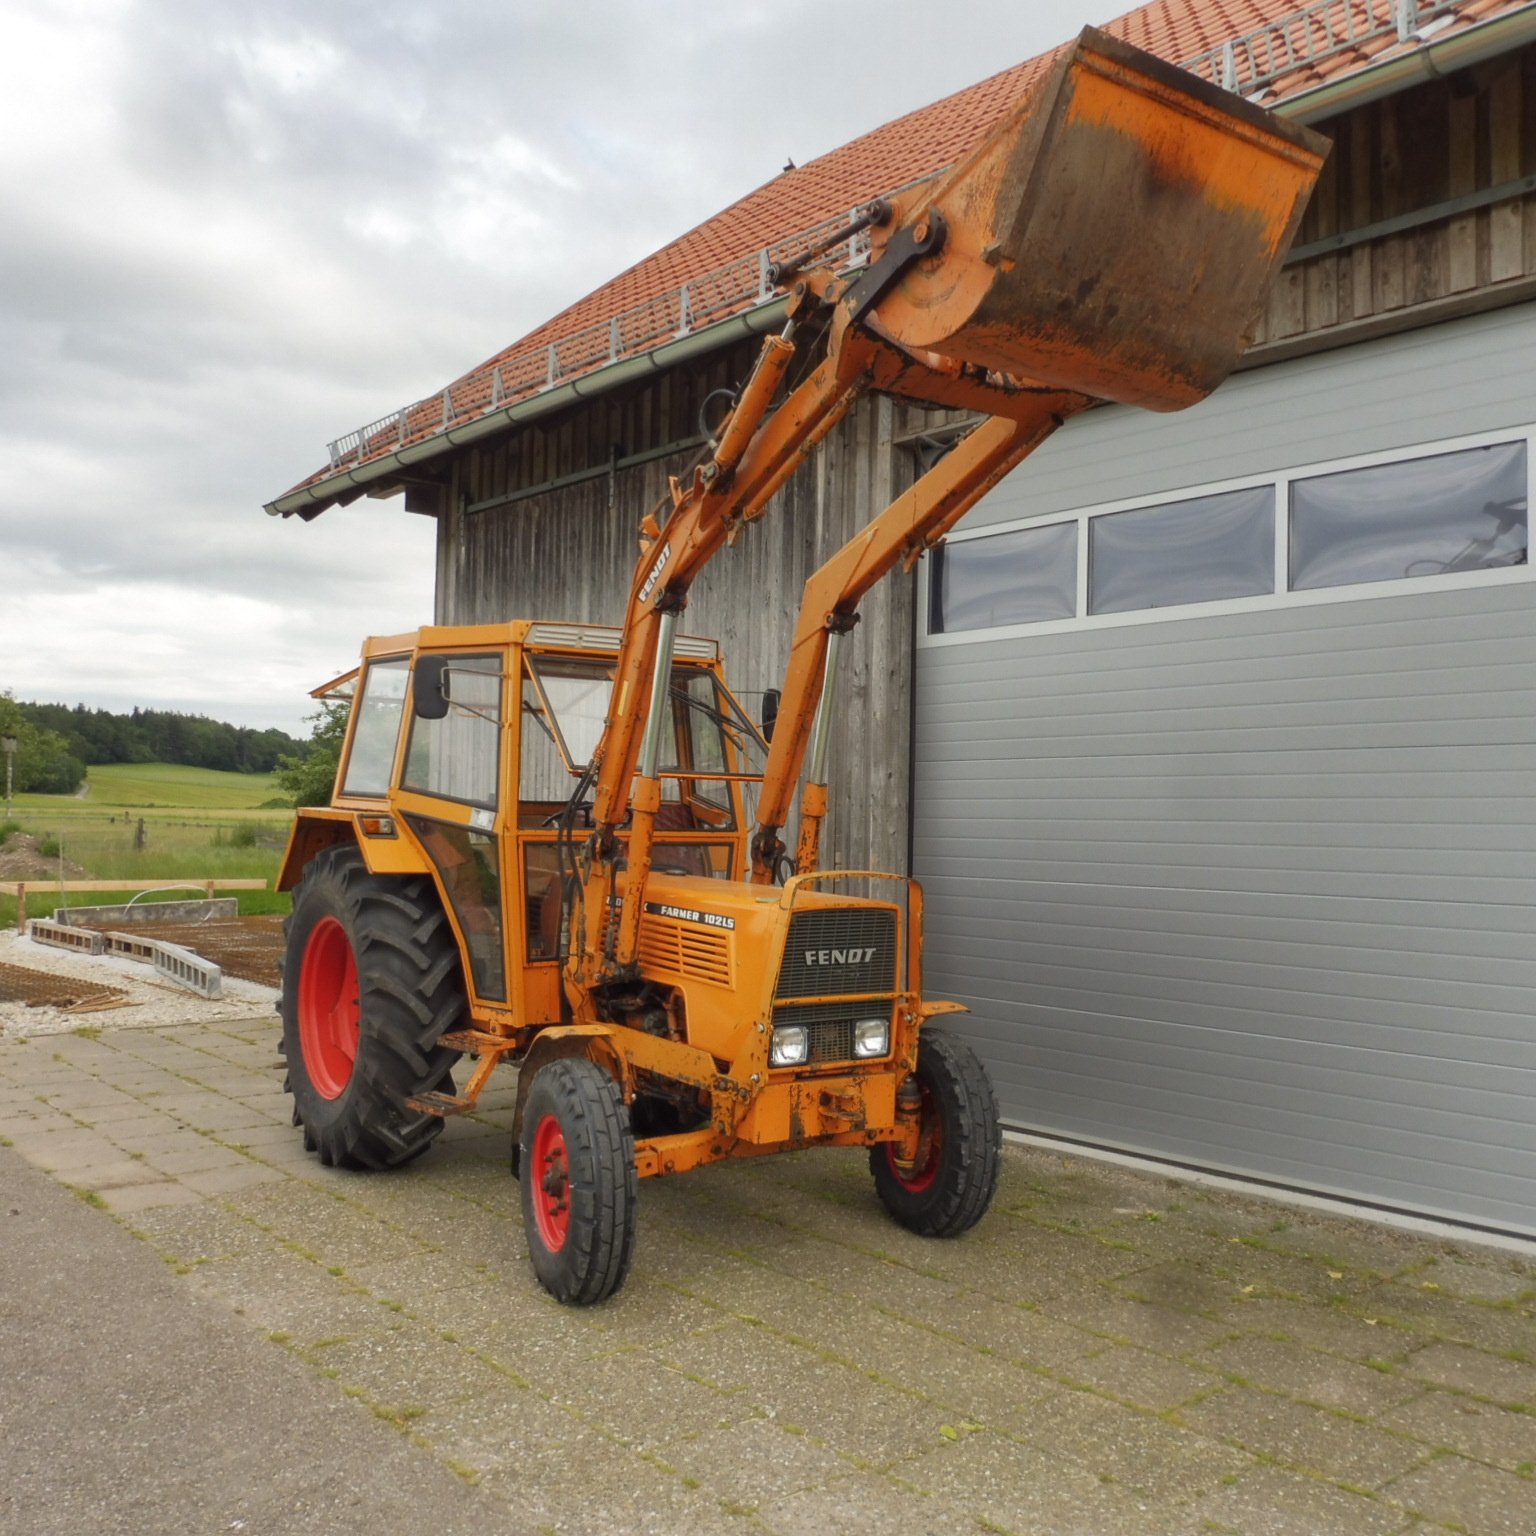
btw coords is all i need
(1435, 143)
(569, 553)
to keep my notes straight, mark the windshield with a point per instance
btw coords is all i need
(566, 700)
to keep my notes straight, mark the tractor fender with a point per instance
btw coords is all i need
(596, 1042)
(376, 836)
(936, 1008)
(315, 829)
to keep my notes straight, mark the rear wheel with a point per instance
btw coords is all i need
(371, 980)
(577, 1178)
(954, 1176)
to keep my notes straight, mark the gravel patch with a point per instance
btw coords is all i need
(149, 1001)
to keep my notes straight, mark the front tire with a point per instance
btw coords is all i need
(960, 1145)
(371, 980)
(577, 1181)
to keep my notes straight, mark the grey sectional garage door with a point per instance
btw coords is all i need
(1255, 888)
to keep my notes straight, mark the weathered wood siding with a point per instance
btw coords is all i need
(1439, 142)
(569, 553)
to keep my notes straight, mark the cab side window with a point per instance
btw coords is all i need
(459, 756)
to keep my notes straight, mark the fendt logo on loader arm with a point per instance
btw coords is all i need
(839, 956)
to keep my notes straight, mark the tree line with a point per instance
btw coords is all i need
(57, 742)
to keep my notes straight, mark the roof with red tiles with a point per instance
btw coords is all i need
(1270, 50)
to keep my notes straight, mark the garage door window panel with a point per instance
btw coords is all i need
(1434, 516)
(1024, 577)
(1196, 551)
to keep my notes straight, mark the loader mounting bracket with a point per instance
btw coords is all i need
(923, 237)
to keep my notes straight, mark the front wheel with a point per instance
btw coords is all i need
(960, 1144)
(576, 1172)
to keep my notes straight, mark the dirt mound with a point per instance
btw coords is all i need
(22, 859)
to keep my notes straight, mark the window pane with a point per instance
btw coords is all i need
(1461, 511)
(466, 861)
(377, 729)
(458, 757)
(543, 900)
(1193, 551)
(578, 694)
(1022, 577)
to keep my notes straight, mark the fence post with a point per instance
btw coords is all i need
(21, 908)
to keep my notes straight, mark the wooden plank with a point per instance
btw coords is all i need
(1322, 293)
(538, 446)
(1506, 221)
(1390, 161)
(1461, 233)
(1361, 213)
(1322, 215)
(1425, 265)
(1389, 264)
(666, 407)
(1420, 174)
(1288, 304)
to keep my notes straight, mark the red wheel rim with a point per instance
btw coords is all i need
(551, 1184)
(329, 1008)
(930, 1148)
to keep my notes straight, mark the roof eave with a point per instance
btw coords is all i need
(1433, 58)
(345, 485)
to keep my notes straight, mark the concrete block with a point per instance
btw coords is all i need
(200, 909)
(130, 946)
(45, 930)
(188, 970)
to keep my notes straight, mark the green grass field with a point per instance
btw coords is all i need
(198, 824)
(147, 787)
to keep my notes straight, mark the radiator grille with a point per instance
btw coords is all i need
(685, 949)
(839, 951)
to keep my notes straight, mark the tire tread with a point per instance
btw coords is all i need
(971, 1156)
(410, 983)
(600, 1239)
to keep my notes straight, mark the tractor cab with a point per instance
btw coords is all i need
(468, 751)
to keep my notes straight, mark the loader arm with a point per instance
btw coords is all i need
(750, 463)
(829, 609)
(1113, 238)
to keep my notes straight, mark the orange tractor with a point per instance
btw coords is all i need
(560, 845)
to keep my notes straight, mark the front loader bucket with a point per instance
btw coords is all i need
(1115, 236)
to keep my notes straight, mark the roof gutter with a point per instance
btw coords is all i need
(1433, 58)
(754, 322)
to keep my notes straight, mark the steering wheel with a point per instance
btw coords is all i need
(584, 815)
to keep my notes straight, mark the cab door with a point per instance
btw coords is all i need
(450, 799)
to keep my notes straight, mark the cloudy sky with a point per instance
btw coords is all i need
(231, 231)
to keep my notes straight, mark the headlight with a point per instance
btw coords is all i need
(791, 1045)
(871, 1037)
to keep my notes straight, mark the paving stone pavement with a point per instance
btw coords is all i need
(1109, 1352)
